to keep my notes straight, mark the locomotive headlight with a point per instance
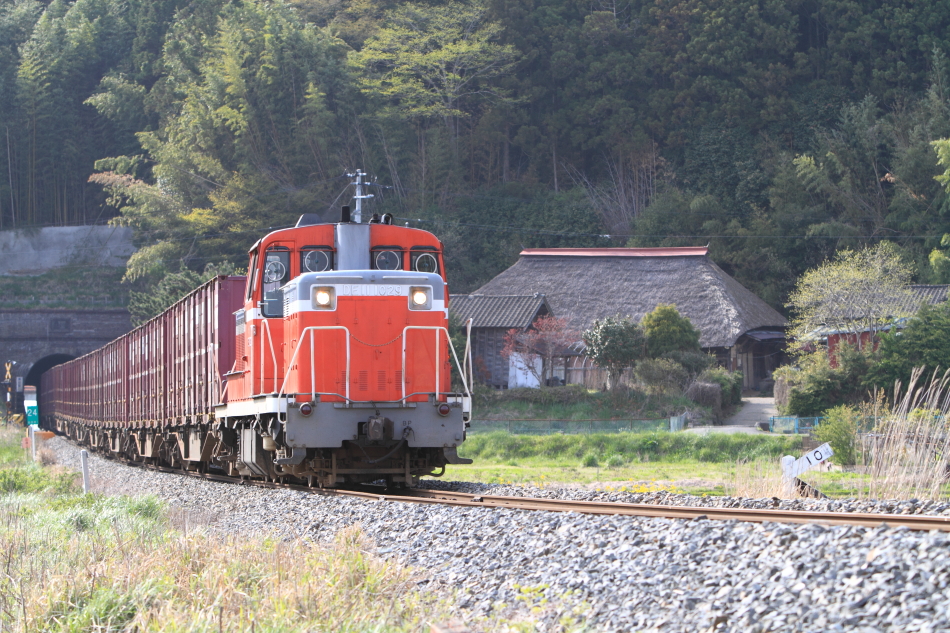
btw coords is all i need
(323, 298)
(419, 298)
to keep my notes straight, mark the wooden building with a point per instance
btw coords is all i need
(492, 316)
(917, 296)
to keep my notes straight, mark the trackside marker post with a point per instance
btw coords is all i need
(792, 468)
(84, 458)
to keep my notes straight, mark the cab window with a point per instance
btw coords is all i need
(424, 259)
(316, 259)
(386, 258)
(275, 272)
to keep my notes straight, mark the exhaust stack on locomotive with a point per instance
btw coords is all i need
(341, 370)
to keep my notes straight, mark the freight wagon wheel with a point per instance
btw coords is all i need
(130, 448)
(171, 455)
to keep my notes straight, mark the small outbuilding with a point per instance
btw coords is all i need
(492, 316)
(586, 284)
(917, 296)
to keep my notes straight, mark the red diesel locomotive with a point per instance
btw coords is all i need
(330, 362)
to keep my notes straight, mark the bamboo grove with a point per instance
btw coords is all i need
(778, 131)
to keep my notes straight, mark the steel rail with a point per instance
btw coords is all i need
(916, 522)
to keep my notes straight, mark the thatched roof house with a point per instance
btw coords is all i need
(585, 284)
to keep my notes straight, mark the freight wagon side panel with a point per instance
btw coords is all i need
(229, 299)
(175, 355)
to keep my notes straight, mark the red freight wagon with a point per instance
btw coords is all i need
(162, 375)
(198, 356)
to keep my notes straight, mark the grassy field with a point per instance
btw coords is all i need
(716, 464)
(574, 402)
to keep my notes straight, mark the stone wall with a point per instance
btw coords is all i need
(33, 251)
(28, 336)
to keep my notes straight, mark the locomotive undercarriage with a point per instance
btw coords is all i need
(256, 447)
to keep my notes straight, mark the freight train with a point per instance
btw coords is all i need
(330, 363)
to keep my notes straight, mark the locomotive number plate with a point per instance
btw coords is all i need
(372, 290)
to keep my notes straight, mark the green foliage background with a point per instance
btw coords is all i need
(776, 131)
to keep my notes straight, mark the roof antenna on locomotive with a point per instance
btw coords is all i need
(360, 196)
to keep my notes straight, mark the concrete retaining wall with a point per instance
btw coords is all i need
(33, 251)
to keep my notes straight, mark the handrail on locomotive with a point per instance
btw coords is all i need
(464, 368)
(273, 356)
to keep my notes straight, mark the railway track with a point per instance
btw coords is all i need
(461, 499)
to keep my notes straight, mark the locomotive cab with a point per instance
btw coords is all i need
(343, 370)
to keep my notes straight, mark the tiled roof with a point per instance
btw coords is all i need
(932, 294)
(499, 311)
(669, 251)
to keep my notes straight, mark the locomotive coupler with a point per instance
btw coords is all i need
(379, 428)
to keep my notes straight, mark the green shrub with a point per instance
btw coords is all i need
(614, 461)
(840, 430)
(661, 375)
(924, 342)
(667, 330)
(730, 381)
(693, 362)
(590, 461)
(817, 386)
(615, 343)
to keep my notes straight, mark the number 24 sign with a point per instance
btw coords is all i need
(795, 467)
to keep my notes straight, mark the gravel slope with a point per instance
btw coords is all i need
(913, 506)
(612, 573)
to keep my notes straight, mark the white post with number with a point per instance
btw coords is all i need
(792, 468)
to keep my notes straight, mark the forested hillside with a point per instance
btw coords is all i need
(775, 130)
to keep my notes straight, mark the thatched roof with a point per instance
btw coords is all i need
(506, 311)
(585, 284)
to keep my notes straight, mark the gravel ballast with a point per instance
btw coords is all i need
(608, 572)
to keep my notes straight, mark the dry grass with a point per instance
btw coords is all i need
(908, 454)
(756, 480)
(71, 562)
(99, 564)
(46, 457)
